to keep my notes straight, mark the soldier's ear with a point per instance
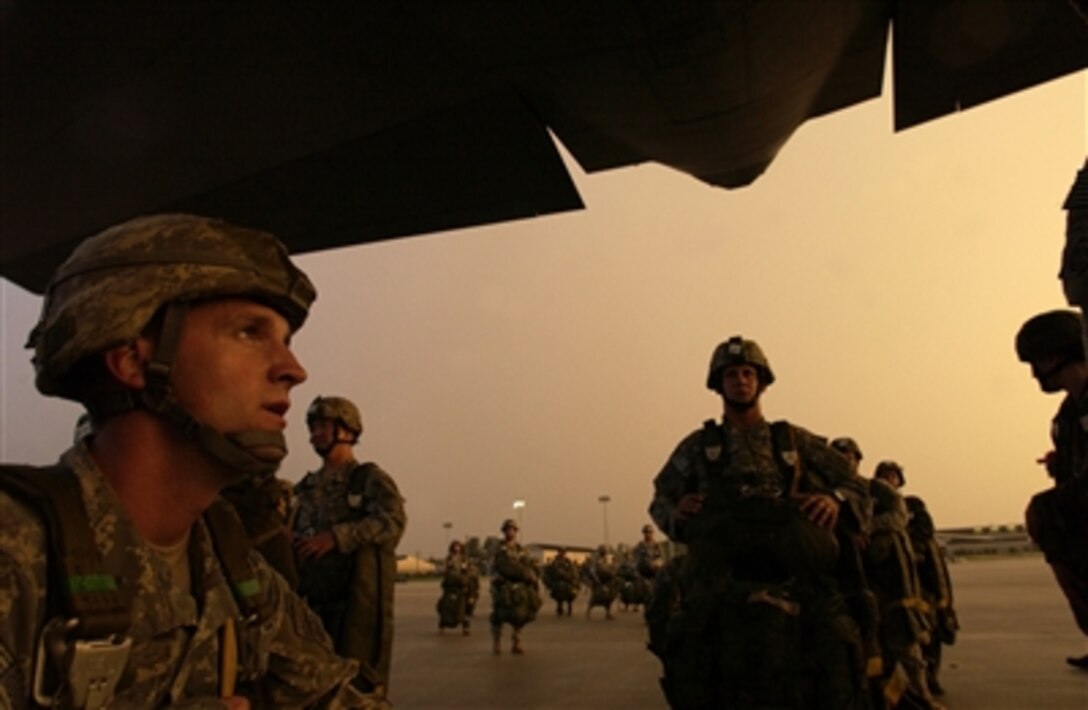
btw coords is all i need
(127, 363)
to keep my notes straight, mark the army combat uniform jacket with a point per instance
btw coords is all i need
(286, 659)
(759, 618)
(751, 469)
(515, 594)
(367, 526)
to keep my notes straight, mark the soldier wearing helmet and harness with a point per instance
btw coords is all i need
(174, 332)
(349, 518)
(761, 619)
(1057, 519)
(905, 624)
(515, 589)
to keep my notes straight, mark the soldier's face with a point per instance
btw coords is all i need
(234, 368)
(740, 383)
(322, 434)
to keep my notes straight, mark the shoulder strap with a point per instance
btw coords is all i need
(714, 450)
(232, 547)
(785, 454)
(81, 587)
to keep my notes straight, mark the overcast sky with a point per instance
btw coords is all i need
(557, 359)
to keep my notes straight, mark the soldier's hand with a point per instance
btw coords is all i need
(821, 509)
(689, 505)
(316, 546)
(235, 702)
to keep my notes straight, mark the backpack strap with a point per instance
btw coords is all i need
(232, 547)
(84, 646)
(82, 587)
(785, 454)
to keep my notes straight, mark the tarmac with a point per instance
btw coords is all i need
(1016, 631)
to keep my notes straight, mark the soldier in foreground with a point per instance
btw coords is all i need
(1057, 519)
(561, 579)
(515, 592)
(174, 332)
(349, 518)
(761, 621)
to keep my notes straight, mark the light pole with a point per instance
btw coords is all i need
(447, 526)
(603, 500)
(519, 505)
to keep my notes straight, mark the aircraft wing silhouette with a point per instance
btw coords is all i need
(340, 123)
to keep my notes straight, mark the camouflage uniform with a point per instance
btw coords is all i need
(357, 614)
(634, 588)
(648, 558)
(936, 588)
(132, 286)
(263, 505)
(460, 587)
(287, 660)
(890, 568)
(760, 618)
(561, 579)
(515, 592)
(600, 573)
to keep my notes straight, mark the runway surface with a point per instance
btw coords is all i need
(1016, 632)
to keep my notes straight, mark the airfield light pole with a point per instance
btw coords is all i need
(603, 500)
(519, 505)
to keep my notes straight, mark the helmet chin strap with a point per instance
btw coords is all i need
(238, 450)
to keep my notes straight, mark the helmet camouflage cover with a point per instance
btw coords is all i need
(887, 467)
(738, 351)
(112, 285)
(846, 445)
(338, 409)
(509, 523)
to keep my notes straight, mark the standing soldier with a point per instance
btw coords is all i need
(349, 519)
(458, 581)
(561, 578)
(515, 591)
(1057, 519)
(600, 574)
(174, 332)
(906, 626)
(762, 620)
(648, 557)
(936, 584)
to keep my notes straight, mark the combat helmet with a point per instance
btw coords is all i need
(337, 409)
(846, 445)
(885, 467)
(149, 269)
(509, 523)
(738, 351)
(647, 528)
(1051, 334)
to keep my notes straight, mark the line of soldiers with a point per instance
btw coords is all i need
(795, 591)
